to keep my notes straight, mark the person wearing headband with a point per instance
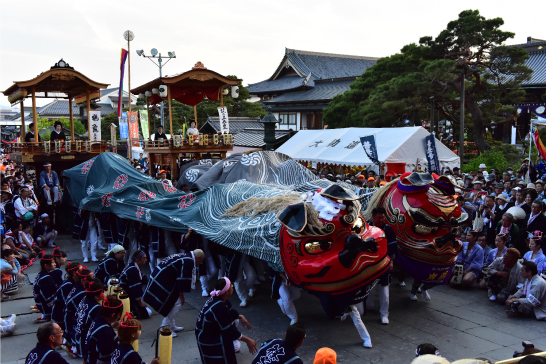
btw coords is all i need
(101, 341)
(59, 303)
(216, 328)
(128, 332)
(133, 282)
(73, 301)
(60, 260)
(49, 183)
(111, 265)
(44, 232)
(169, 280)
(44, 287)
(88, 310)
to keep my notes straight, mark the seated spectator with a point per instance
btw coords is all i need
(507, 226)
(29, 137)
(128, 332)
(49, 183)
(503, 276)
(44, 233)
(13, 239)
(134, 282)
(50, 335)
(325, 356)
(499, 251)
(11, 269)
(482, 241)
(27, 239)
(529, 300)
(471, 257)
(112, 265)
(286, 349)
(102, 340)
(535, 253)
(25, 208)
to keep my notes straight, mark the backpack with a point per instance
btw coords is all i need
(9, 209)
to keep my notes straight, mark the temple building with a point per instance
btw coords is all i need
(304, 83)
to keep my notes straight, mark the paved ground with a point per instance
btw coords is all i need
(461, 324)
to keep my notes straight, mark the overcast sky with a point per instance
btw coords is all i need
(245, 38)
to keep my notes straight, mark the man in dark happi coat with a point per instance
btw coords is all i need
(174, 276)
(216, 328)
(49, 335)
(282, 351)
(133, 282)
(112, 265)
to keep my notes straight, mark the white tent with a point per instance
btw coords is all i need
(343, 147)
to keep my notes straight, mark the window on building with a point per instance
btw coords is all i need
(288, 118)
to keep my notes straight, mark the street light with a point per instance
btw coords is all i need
(160, 64)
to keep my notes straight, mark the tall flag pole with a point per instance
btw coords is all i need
(124, 54)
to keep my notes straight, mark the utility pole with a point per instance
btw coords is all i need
(461, 131)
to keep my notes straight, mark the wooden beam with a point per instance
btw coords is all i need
(34, 114)
(149, 124)
(23, 129)
(88, 100)
(170, 109)
(221, 96)
(71, 120)
(195, 115)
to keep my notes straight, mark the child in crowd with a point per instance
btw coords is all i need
(60, 260)
(72, 303)
(129, 330)
(45, 288)
(59, 304)
(88, 310)
(101, 340)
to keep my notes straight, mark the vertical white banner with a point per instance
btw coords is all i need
(224, 121)
(94, 133)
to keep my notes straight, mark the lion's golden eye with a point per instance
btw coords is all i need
(358, 226)
(317, 247)
(424, 230)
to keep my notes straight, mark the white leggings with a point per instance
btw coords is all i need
(245, 278)
(356, 312)
(91, 240)
(288, 295)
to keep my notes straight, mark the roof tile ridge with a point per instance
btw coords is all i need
(334, 55)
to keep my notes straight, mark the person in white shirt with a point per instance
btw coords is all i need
(23, 204)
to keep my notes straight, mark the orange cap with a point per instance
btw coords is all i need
(325, 356)
(371, 179)
(361, 176)
(382, 183)
(162, 171)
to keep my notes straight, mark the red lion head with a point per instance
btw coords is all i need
(342, 255)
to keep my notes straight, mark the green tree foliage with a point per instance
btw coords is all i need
(500, 157)
(404, 85)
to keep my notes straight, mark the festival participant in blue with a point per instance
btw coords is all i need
(49, 335)
(88, 310)
(102, 340)
(216, 328)
(378, 220)
(44, 288)
(128, 332)
(49, 182)
(282, 351)
(535, 253)
(501, 248)
(112, 265)
(173, 277)
(60, 260)
(471, 257)
(59, 304)
(133, 282)
(73, 300)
